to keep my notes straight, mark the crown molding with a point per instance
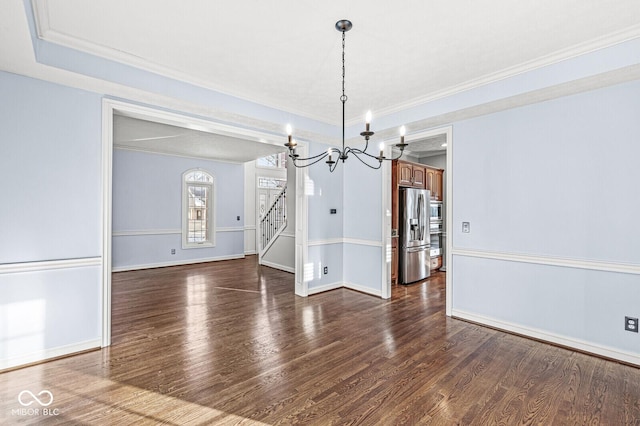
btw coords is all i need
(559, 56)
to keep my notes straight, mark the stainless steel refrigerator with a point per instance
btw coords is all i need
(414, 235)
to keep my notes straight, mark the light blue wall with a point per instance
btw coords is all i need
(48, 310)
(437, 161)
(147, 202)
(346, 241)
(362, 267)
(363, 201)
(50, 171)
(557, 180)
(51, 209)
(329, 255)
(324, 192)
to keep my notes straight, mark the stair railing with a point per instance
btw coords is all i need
(273, 222)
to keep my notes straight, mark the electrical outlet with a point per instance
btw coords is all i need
(326, 270)
(631, 324)
(173, 251)
(466, 227)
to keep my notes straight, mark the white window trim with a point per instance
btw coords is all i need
(211, 220)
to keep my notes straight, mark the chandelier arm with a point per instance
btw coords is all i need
(397, 158)
(375, 156)
(355, 154)
(333, 166)
(322, 157)
(308, 158)
(360, 151)
(366, 144)
(322, 154)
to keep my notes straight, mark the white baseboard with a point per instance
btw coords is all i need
(46, 354)
(250, 252)
(363, 289)
(577, 344)
(175, 263)
(326, 287)
(278, 266)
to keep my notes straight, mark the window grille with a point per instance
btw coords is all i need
(198, 209)
(271, 183)
(278, 161)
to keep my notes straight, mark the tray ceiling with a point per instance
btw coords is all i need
(286, 54)
(149, 136)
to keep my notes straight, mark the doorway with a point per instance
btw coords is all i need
(426, 141)
(267, 189)
(256, 141)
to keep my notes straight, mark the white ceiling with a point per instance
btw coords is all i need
(142, 135)
(427, 147)
(287, 53)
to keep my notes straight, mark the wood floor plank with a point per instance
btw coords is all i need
(229, 343)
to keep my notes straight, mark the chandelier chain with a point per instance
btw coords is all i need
(343, 98)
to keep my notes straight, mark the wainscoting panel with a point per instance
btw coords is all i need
(573, 305)
(54, 308)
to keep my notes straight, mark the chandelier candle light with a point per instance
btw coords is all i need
(343, 26)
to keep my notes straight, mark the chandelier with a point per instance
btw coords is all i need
(370, 160)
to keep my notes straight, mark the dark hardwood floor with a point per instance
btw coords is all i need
(229, 343)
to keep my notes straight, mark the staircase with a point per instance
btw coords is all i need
(273, 222)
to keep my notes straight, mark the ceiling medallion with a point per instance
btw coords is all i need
(372, 161)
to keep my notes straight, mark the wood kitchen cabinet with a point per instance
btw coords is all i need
(437, 184)
(410, 174)
(394, 260)
(434, 182)
(436, 263)
(404, 173)
(418, 177)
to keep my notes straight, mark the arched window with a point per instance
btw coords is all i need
(198, 201)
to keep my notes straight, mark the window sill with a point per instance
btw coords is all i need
(197, 245)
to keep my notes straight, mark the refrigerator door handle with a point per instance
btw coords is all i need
(416, 249)
(420, 225)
